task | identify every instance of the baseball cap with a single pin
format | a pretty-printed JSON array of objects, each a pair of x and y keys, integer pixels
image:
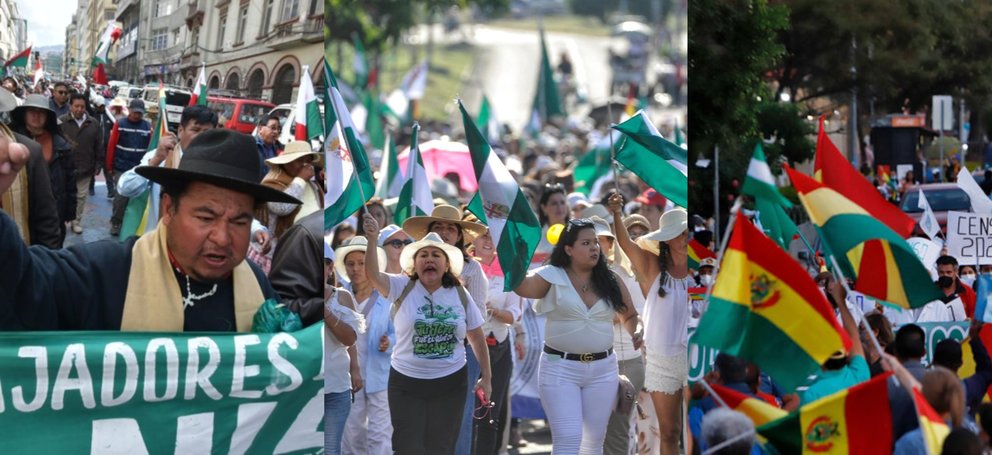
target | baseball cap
[
  {"x": 136, "y": 105},
  {"x": 651, "y": 197}
]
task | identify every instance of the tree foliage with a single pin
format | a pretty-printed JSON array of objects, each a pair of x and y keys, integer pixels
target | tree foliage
[{"x": 733, "y": 45}]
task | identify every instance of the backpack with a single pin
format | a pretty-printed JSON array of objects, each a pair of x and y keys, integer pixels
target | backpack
[{"x": 409, "y": 287}]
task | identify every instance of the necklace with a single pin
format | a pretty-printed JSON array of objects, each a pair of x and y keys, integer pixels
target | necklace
[
  {"x": 188, "y": 301},
  {"x": 584, "y": 287}
]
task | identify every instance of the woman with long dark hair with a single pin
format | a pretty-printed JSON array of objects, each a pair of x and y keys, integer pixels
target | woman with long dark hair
[
  {"x": 552, "y": 210},
  {"x": 661, "y": 257},
  {"x": 580, "y": 298}
]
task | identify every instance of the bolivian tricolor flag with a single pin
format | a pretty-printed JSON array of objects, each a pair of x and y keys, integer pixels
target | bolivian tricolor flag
[
  {"x": 833, "y": 170},
  {"x": 758, "y": 410},
  {"x": 933, "y": 427},
  {"x": 766, "y": 308},
  {"x": 135, "y": 220},
  {"x": 698, "y": 252},
  {"x": 854, "y": 420},
  {"x": 883, "y": 263}
]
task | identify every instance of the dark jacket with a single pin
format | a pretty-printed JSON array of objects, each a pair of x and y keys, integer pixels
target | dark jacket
[
  {"x": 61, "y": 172},
  {"x": 85, "y": 140},
  {"x": 43, "y": 214},
  {"x": 59, "y": 110},
  {"x": 297, "y": 272},
  {"x": 82, "y": 287},
  {"x": 128, "y": 144}
]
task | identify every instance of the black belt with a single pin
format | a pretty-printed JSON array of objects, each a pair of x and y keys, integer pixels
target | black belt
[{"x": 580, "y": 357}]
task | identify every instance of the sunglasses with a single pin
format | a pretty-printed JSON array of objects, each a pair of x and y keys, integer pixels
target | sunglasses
[
  {"x": 398, "y": 243},
  {"x": 578, "y": 223}
]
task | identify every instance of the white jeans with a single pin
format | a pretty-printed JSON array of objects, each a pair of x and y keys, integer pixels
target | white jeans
[
  {"x": 578, "y": 398},
  {"x": 369, "y": 429}
]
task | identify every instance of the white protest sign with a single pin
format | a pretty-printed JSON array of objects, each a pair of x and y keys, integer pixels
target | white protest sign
[
  {"x": 969, "y": 237},
  {"x": 928, "y": 251}
]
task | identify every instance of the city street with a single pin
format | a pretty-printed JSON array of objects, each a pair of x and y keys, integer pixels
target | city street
[{"x": 96, "y": 217}]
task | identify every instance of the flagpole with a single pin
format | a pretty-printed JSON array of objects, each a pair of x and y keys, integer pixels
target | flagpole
[
  {"x": 409, "y": 158},
  {"x": 843, "y": 281},
  {"x": 734, "y": 211},
  {"x": 713, "y": 393}
]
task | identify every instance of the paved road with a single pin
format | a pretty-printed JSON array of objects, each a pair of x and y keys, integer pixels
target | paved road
[{"x": 96, "y": 217}]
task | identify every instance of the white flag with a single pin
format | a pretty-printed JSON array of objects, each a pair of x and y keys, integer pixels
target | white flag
[
  {"x": 928, "y": 222},
  {"x": 980, "y": 203}
]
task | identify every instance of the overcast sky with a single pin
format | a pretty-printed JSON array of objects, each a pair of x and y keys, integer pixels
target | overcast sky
[{"x": 47, "y": 20}]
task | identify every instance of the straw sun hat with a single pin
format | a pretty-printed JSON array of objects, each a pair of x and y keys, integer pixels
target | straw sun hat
[
  {"x": 671, "y": 224},
  {"x": 455, "y": 258}
]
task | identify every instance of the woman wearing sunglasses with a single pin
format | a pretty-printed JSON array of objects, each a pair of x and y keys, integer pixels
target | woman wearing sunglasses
[
  {"x": 392, "y": 239},
  {"x": 577, "y": 377},
  {"x": 661, "y": 257}
]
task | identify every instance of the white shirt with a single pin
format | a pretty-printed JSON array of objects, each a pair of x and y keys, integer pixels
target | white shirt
[
  {"x": 337, "y": 362},
  {"x": 666, "y": 319},
  {"x": 622, "y": 343},
  {"x": 503, "y": 301},
  {"x": 430, "y": 329},
  {"x": 938, "y": 311},
  {"x": 571, "y": 326}
]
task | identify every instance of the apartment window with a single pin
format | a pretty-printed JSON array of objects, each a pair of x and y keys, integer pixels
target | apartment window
[
  {"x": 159, "y": 39},
  {"x": 242, "y": 22},
  {"x": 316, "y": 7},
  {"x": 108, "y": 15},
  {"x": 222, "y": 29},
  {"x": 267, "y": 17},
  {"x": 290, "y": 10},
  {"x": 162, "y": 8},
  {"x": 176, "y": 36}
]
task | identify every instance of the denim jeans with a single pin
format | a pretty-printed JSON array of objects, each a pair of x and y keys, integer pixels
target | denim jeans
[
  {"x": 336, "y": 409},
  {"x": 578, "y": 398}
]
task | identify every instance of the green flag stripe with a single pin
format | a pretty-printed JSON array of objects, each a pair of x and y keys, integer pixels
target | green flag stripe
[
  {"x": 736, "y": 330},
  {"x": 654, "y": 170}
]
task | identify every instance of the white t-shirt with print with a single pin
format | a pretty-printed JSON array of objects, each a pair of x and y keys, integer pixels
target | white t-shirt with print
[{"x": 430, "y": 329}]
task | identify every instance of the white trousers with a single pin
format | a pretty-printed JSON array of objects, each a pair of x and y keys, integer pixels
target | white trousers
[
  {"x": 578, "y": 398},
  {"x": 369, "y": 429}
]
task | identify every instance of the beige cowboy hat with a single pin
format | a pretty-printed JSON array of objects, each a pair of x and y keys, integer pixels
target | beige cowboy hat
[
  {"x": 602, "y": 227},
  {"x": 356, "y": 243},
  {"x": 455, "y": 259},
  {"x": 671, "y": 224},
  {"x": 293, "y": 151},
  {"x": 598, "y": 211},
  {"x": 636, "y": 219},
  {"x": 418, "y": 226}
]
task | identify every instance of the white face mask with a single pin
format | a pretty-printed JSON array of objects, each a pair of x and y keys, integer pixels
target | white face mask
[
  {"x": 968, "y": 279},
  {"x": 707, "y": 280}
]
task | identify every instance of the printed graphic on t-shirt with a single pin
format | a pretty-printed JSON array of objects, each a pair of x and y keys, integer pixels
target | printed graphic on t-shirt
[{"x": 434, "y": 334}]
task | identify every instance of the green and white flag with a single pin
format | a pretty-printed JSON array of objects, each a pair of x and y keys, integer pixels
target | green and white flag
[
  {"x": 595, "y": 167},
  {"x": 486, "y": 121},
  {"x": 415, "y": 197},
  {"x": 162, "y": 393},
  {"x": 770, "y": 203},
  {"x": 547, "y": 103},
  {"x": 307, "y": 113},
  {"x": 390, "y": 179},
  {"x": 656, "y": 160},
  {"x": 502, "y": 206},
  {"x": 349, "y": 177}
]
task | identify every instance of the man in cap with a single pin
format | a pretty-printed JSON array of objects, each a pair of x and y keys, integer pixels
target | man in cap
[
  {"x": 652, "y": 206},
  {"x": 59, "y": 102},
  {"x": 127, "y": 145},
  {"x": 189, "y": 274}
]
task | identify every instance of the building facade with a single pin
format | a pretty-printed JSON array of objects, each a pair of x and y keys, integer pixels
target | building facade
[{"x": 9, "y": 29}]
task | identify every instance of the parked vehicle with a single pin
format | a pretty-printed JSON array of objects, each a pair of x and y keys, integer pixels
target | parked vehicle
[
  {"x": 239, "y": 114},
  {"x": 942, "y": 197},
  {"x": 176, "y": 99}
]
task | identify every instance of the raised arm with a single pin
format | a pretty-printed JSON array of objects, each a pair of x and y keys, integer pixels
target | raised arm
[
  {"x": 640, "y": 260},
  {"x": 840, "y": 296},
  {"x": 533, "y": 287},
  {"x": 380, "y": 281}
]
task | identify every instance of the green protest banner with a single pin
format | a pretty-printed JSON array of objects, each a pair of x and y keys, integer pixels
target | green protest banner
[{"x": 162, "y": 393}]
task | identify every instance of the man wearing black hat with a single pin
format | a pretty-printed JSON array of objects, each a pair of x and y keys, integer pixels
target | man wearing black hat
[
  {"x": 189, "y": 274},
  {"x": 127, "y": 145}
]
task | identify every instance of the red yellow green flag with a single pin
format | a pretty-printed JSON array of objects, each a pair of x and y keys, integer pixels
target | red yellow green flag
[
  {"x": 884, "y": 265},
  {"x": 758, "y": 410},
  {"x": 698, "y": 252},
  {"x": 833, "y": 170},
  {"x": 766, "y": 308},
  {"x": 934, "y": 429},
  {"x": 854, "y": 420},
  {"x": 135, "y": 221}
]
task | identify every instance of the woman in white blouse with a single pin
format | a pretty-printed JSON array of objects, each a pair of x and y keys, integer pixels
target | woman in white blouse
[
  {"x": 342, "y": 376},
  {"x": 433, "y": 316},
  {"x": 581, "y": 298}
]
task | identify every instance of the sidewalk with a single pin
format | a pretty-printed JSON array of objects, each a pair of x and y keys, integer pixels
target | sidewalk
[{"x": 96, "y": 217}]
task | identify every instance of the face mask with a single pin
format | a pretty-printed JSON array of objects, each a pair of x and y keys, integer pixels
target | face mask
[
  {"x": 968, "y": 279},
  {"x": 945, "y": 282},
  {"x": 707, "y": 280}
]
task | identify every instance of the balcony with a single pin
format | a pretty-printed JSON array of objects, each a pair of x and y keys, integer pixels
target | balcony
[
  {"x": 293, "y": 33},
  {"x": 194, "y": 14}
]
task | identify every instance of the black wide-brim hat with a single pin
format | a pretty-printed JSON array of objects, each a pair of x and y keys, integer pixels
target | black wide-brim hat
[{"x": 219, "y": 157}]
